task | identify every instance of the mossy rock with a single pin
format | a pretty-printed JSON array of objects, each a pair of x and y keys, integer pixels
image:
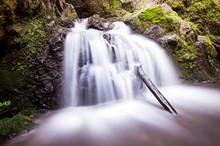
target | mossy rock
[
  {"x": 206, "y": 68},
  {"x": 23, "y": 37},
  {"x": 29, "y": 36},
  {"x": 162, "y": 15},
  {"x": 179, "y": 38},
  {"x": 12, "y": 126},
  {"x": 128, "y": 6},
  {"x": 172, "y": 24},
  {"x": 204, "y": 13},
  {"x": 210, "y": 50}
]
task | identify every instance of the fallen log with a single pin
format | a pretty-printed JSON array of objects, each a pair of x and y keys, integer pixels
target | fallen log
[{"x": 160, "y": 98}]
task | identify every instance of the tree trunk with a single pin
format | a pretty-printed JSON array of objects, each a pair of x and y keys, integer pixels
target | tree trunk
[{"x": 161, "y": 99}]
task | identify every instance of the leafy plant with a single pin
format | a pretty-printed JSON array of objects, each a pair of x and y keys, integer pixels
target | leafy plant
[{"x": 5, "y": 103}]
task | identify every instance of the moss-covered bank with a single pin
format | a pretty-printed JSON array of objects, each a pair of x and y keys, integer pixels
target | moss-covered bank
[
  {"x": 181, "y": 39},
  {"x": 24, "y": 29},
  {"x": 10, "y": 127},
  {"x": 204, "y": 13}
]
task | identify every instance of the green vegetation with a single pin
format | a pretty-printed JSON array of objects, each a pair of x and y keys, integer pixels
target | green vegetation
[
  {"x": 5, "y": 103},
  {"x": 204, "y": 13},
  {"x": 13, "y": 126},
  {"x": 186, "y": 53},
  {"x": 24, "y": 25},
  {"x": 168, "y": 20},
  {"x": 30, "y": 36},
  {"x": 128, "y": 6},
  {"x": 210, "y": 50},
  {"x": 182, "y": 46},
  {"x": 18, "y": 62}
]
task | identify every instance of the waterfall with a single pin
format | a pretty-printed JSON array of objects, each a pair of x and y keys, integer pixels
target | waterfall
[{"x": 99, "y": 66}]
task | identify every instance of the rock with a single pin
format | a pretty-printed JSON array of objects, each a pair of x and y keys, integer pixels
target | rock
[
  {"x": 205, "y": 14},
  {"x": 178, "y": 37},
  {"x": 128, "y": 6},
  {"x": 169, "y": 40},
  {"x": 139, "y": 4},
  {"x": 99, "y": 23},
  {"x": 188, "y": 31},
  {"x": 205, "y": 59},
  {"x": 154, "y": 32},
  {"x": 47, "y": 80},
  {"x": 51, "y": 23},
  {"x": 28, "y": 6},
  {"x": 166, "y": 8},
  {"x": 87, "y": 8}
]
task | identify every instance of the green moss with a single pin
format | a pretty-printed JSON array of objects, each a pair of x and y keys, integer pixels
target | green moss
[
  {"x": 214, "y": 38},
  {"x": 111, "y": 8},
  {"x": 115, "y": 3},
  {"x": 71, "y": 15},
  {"x": 217, "y": 3},
  {"x": 128, "y": 6},
  {"x": 182, "y": 47},
  {"x": 136, "y": 24},
  {"x": 154, "y": 14},
  {"x": 14, "y": 125},
  {"x": 168, "y": 20},
  {"x": 184, "y": 52},
  {"x": 206, "y": 14},
  {"x": 5, "y": 104},
  {"x": 177, "y": 6},
  {"x": 210, "y": 50},
  {"x": 30, "y": 36}
]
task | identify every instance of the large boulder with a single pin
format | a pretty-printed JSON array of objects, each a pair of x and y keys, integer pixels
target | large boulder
[{"x": 206, "y": 58}]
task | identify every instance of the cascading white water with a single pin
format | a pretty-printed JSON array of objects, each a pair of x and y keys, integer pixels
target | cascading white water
[{"x": 99, "y": 66}]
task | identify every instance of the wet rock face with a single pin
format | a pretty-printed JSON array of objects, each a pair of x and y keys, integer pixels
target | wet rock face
[
  {"x": 86, "y": 8},
  {"x": 205, "y": 58},
  {"x": 99, "y": 23},
  {"x": 24, "y": 28},
  {"x": 47, "y": 81},
  {"x": 154, "y": 32}
]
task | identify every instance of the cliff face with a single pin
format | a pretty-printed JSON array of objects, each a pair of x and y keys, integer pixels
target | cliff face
[
  {"x": 31, "y": 40},
  {"x": 30, "y": 59}
]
